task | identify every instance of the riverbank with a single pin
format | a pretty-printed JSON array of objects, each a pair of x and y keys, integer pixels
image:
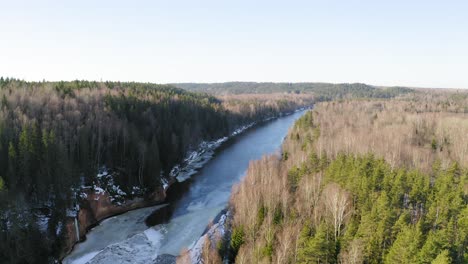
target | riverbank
[{"x": 176, "y": 183}]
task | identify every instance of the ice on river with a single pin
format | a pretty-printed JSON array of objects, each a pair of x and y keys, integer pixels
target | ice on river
[
  {"x": 208, "y": 194},
  {"x": 110, "y": 231},
  {"x": 86, "y": 258},
  {"x": 145, "y": 247}
]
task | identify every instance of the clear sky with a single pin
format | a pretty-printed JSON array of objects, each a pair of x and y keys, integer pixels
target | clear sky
[{"x": 411, "y": 42}]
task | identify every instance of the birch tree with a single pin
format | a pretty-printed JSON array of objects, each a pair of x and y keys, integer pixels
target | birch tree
[{"x": 338, "y": 206}]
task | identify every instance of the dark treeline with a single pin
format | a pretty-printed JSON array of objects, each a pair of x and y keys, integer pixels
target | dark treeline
[
  {"x": 56, "y": 136},
  {"x": 322, "y": 91}
]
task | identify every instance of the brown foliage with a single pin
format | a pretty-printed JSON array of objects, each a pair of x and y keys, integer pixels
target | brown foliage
[
  {"x": 399, "y": 131},
  {"x": 353, "y": 253},
  {"x": 184, "y": 257},
  {"x": 209, "y": 253},
  {"x": 409, "y": 132}
]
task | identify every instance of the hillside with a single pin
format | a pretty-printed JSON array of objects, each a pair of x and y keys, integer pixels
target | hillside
[
  {"x": 322, "y": 91},
  {"x": 85, "y": 149},
  {"x": 365, "y": 181}
]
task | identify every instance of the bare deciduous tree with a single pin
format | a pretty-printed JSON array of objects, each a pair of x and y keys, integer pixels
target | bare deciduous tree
[
  {"x": 353, "y": 253},
  {"x": 338, "y": 204}
]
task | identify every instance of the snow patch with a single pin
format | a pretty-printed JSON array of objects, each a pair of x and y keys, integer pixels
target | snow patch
[
  {"x": 137, "y": 190},
  {"x": 58, "y": 229},
  {"x": 43, "y": 222},
  {"x": 71, "y": 213},
  {"x": 85, "y": 258},
  {"x": 106, "y": 184},
  {"x": 242, "y": 129},
  {"x": 195, "y": 160},
  {"x": 216, "y": 232},
  {"x": 164, "y": 183},
  {"x": 98, "y": 190}
]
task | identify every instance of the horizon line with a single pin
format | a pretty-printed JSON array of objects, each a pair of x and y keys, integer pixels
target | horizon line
[{"x": 222, "y": 82}]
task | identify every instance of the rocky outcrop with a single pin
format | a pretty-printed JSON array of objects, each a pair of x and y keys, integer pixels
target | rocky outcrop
[{"x": 96, "y": 207}]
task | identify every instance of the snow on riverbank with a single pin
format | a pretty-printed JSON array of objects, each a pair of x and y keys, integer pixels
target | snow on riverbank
[
  {"x": 207, "y": 197},
  {"x": 243, "y": 128},
  {"x": 214, "y": 234},
  {"x": 196, "y": 159}
]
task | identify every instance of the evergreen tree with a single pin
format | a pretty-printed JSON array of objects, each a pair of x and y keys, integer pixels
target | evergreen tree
[
  {"x": 442, "y": 258},
  {"x": 406, "y": 246},
  {"x": 2, "y": 184},
  {"x": 318, "y": 247}
]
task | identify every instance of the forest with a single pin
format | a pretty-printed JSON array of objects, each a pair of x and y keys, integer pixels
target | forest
[
  {"x": 322, "y": 91},
  {"x": 370, "y": 175},
  {"x": 358, "y": 181},
  {"x": 57, "y": 138}
]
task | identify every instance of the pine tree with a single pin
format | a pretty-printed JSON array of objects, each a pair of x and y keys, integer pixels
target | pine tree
[
  {"x": 2, "y": 184},
  {"x": 318, "y": 248},
  {"x": 406, "y": 247},
  {"x": 12, "y": 159},
  {"x": 442, "y": 258}
]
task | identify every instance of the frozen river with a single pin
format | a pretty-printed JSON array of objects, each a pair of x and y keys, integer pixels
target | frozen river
[{"x": 127, "y": 239}]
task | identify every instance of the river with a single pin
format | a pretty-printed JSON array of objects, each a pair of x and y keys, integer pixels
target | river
[{"x": 127, "y": 239}]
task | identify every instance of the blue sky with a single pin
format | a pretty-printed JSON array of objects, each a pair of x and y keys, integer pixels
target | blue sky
[{"x": 412, "y": 43}]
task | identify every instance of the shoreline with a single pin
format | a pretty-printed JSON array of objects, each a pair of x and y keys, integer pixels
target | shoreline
[{"x": 175, "y": 183}]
